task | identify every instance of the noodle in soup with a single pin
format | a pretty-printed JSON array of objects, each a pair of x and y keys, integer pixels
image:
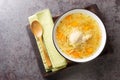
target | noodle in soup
[{"x": 78, "y": 35}]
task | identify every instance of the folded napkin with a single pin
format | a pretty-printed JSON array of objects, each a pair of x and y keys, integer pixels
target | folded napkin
[{"x": 45, "y": 19}]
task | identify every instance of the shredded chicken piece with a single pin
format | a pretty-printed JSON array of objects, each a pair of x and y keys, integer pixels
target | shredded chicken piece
[
  {"x": 86, "y": 37},
  {"x": 77, "y": 37}
]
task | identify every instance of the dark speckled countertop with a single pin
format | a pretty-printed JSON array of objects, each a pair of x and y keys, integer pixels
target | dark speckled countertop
[{"x": 17, "y": 58}]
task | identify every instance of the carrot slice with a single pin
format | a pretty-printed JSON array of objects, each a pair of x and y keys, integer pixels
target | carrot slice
[
  {"x": 74, "y": 24},
  {"x": 86, "y": 28},
  {"x": 89, "y": 50},
  {"x": 61, "y": 36},
  {"x": 69, "y": 17},
  {"x": 75, "y": 54}
]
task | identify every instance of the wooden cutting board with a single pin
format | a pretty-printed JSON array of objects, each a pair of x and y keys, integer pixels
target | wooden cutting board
[{"x": 93, "y": 8}]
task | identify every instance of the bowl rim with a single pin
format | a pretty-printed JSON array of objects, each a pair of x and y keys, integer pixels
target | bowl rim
[{"x": 95, "y": 54}]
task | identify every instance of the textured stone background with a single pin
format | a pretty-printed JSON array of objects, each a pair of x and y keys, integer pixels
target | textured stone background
[{"x": 17, "y": 58}]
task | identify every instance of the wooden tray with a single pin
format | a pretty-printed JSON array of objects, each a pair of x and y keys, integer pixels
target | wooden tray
[{"x": 48, "y": 75}]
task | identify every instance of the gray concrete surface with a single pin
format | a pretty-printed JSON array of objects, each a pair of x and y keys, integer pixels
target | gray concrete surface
[{"x": 17, "y": 58}]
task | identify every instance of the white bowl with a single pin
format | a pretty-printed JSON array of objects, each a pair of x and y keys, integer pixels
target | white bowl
[{"x": 103, "y": 31}]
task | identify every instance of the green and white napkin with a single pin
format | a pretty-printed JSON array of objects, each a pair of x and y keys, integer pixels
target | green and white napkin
[{"x": 45, "y": 19}]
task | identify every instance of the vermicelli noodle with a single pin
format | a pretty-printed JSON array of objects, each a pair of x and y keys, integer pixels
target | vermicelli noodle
[{"x": 84, "y": 24}]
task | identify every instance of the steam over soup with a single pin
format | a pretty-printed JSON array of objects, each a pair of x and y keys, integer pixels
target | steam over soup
[{"x": 78, "y": 35}]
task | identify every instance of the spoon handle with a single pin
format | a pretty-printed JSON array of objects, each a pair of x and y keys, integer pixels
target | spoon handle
[{"x": 45, "y": 52}]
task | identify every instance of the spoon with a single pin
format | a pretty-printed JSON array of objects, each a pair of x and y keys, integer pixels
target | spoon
[{"x": 36, "y": 29}]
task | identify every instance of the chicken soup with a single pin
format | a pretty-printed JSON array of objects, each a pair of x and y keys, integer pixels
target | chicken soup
[{"x": 78, "y": 35}]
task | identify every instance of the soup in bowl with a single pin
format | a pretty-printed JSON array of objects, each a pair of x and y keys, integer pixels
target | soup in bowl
[{"x": 79, "y": 35}]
